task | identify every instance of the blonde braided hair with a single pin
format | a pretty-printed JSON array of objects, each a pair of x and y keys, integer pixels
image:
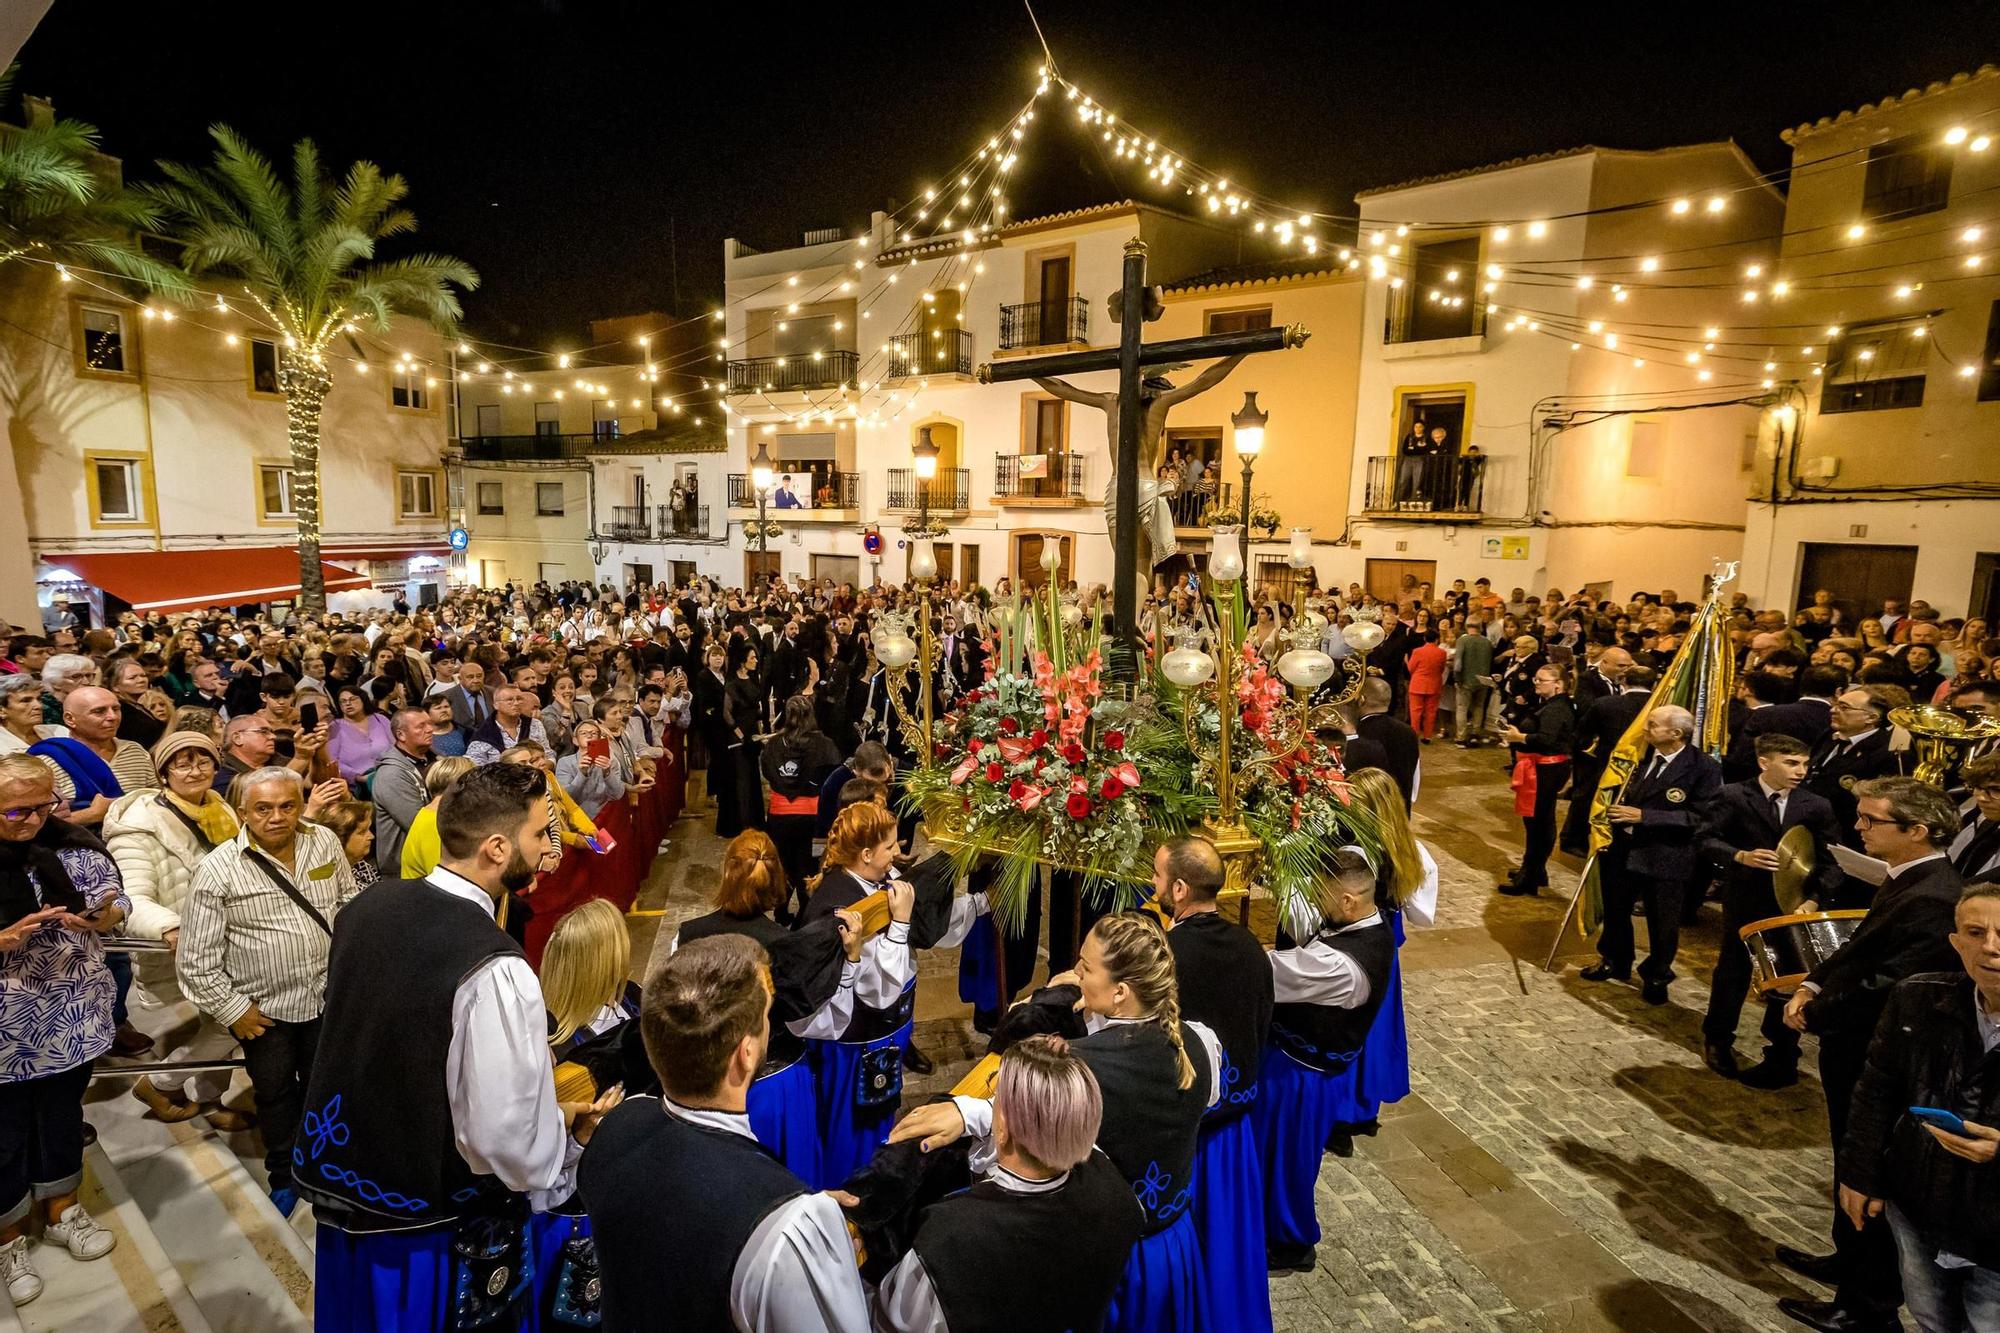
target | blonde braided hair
[{"x": 1135, "y": 952}]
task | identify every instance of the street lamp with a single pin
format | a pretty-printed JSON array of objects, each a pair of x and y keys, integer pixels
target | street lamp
[
  {"x": 1249, "y": 424},
  {"x": 762, "y": 475},
  {"x": 926, "y": 452}
]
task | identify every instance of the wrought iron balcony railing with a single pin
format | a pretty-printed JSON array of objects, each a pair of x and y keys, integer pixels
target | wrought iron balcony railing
[
  {"x": 1434, "y": 316},
  {"x": 951, "y": 490},
  {"x": 1045, "y": 323},
  {"x": 781, "y": 374},
  {"x": 830, "y": 490},
  {"x": 1421, "y": 484},
  {"x": 939, "y": 352},
  {"x": 1038, "y": 477}
]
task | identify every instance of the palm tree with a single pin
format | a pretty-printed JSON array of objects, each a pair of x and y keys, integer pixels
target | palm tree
[
  {"x": 305, "y": 253},
  {"x": 61, "y": 203}
]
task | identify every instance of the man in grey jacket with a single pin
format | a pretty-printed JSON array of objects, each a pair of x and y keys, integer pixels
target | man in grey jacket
[{"x": 397, "y": 787}]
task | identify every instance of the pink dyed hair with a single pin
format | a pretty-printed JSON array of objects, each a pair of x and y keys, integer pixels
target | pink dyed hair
[{"x": 1050, "y": 1102}]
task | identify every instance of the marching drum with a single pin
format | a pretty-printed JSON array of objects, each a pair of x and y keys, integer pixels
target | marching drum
[{"x": 1783, "y": 949}]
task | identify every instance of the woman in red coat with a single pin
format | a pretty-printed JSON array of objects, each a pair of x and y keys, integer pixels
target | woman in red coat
[{"x": 1426, "y": 663}]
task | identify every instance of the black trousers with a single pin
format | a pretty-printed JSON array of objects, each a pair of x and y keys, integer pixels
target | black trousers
[
  {"x": 1539, "y": 829},
  {"x": 41, "y": 1139},
  {"x": 1071, "y": 915},
  {"x": 793, "y": 837},
  {"x": 1576, "y": 820},
  {"x": 1871, "y": 1276},
  {"x": 1730, "y": 985},
  {"x": 1662, "y": 898},
  {"x": 722, "y": 789},
  {"x": 280, "y": 1064}
]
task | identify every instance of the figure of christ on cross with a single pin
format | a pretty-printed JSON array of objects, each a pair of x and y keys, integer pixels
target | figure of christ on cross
[{"x": 1137, "y": 417}]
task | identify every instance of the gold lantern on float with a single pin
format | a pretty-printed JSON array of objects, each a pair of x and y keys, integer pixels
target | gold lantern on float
[{"x": 1942, "y": 739}]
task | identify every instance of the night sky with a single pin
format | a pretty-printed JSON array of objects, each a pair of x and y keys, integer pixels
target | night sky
[{"x": 588, "y": 159}]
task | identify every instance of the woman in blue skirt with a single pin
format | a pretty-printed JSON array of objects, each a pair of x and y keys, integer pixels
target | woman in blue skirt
[
  {"x": 1156, "y": 1074},
  {"x": 1328, "y": 990},
  {"x": 806, "y": 979},
  {"x": 1406, "y": 881}
]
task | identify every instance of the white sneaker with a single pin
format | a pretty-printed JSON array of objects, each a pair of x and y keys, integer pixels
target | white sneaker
[
  {"x": 18, "y": 1271},
  {"x": 77, "y": 1231}
]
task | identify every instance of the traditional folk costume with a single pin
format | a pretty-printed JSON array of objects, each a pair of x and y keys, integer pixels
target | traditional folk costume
[
  {"x": 701, "y": 1229},
  {"x": 855, "y": 1040},
  {"x": 1225, "y": 984},
  {"x": 1329, "y": 991},
  {"x": 432, "y": 1128},
  {"x": 1149, "y": 1131},
  {"x": 808, "y": 970}
]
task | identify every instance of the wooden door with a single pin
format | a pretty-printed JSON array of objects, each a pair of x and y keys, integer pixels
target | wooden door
[
  {"x": 1028, "y": 548},
  {"x": 1985, "y": 599},
  {"x": 1384, "y": 578},
  {"x": 1054, "y": 296},
  {"x": 1859, "y": 574},
  {"x": 757, "y": 565},
  {"x": 968, "y": 565}
]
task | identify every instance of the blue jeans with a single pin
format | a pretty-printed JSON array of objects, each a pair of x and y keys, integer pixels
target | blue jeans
[
  {"x": 1943, "y": 1300},
  {"x": 119, "y": 964}
]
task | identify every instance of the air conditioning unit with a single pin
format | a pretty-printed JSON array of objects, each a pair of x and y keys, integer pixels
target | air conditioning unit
[{"x": 1820, "y": 467}]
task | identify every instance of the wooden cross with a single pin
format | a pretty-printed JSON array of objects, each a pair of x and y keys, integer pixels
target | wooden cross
[{"x": 1141, "y": 412}]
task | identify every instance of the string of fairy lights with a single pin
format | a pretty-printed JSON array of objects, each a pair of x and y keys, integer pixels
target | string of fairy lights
[{"x": 950, "y": 220}]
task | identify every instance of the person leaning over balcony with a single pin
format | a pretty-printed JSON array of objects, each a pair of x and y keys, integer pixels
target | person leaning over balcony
[
  {"x": 158, "y": 838},
  {"x": 59, "y": 892}
]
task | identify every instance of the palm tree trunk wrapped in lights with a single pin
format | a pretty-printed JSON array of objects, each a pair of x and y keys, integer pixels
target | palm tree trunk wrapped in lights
[{"x": 304, "y": 253}]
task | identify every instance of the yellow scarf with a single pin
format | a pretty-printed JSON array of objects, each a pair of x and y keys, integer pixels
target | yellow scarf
[{"x": 211, "y": 814}]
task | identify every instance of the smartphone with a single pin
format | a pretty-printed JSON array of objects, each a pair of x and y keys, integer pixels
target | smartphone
[
  {"x": 1944, "y": 1120},
  {"x": 308, "y": 717},
  {"x": 599, "y": 748}
]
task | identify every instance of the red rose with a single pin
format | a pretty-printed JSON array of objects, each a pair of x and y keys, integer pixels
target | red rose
[
  {"x": 1016, "y": 789},
  {"x": 1114, "y": 741},
  {"x": 1112, "y": 789},
  {"x": 1078, "y": 806},
  {"x": 1072, "y": 753},
  {"x": 995, "y": 772},
  {"x": 1039, "y": 761},
  {"x": 1009, "y": 727},
  {"x": 1040, "y": 737}
]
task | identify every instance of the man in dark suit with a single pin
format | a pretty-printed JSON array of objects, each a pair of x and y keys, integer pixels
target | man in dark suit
[
  {"x": 1855, "y": 751},
  {"x": 1975, "y": 852},
  {"x": 1908, "y": 824},
  {"x": 1739, "y": 833},
  {"x": 471, "y": 701},
  {"x": 1652, "y": 856},
  {"x": 1391, "y": 742},
  {"x": 1604, "y": 679},
  {"x": 1810, "y": 716},
  {"x": 1763, "y": 694},
  {"x": 1599, "y": 727}
]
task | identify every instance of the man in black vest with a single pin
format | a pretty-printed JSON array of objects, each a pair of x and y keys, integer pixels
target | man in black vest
[
  {"x": 1739, "y": 834},
  {"x": 1652, "y": 854},
  {"x": 1907, "y": 931},
  {"x": 697, "y": 1225},
  {"x": 1225, "y": 982},
  {"x": 431, "y": 1125}
]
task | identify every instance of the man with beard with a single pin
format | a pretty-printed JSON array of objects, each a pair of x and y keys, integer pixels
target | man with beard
[{"x": 432, "y": 1127}]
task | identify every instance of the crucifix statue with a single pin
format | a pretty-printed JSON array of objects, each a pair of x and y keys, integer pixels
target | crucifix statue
[
  {"x": 1157, "y": 394},
  {"x": 1136, "y": 416}
]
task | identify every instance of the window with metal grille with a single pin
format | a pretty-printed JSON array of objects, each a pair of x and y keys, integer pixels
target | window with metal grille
[{"x": 1875, "y": 367}]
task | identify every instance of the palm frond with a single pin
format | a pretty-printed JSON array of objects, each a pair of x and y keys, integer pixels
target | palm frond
[{"x": 265, "y": 201}]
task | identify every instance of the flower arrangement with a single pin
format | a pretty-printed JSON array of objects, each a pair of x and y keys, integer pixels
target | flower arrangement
[{"x": 1264, "y": 516}]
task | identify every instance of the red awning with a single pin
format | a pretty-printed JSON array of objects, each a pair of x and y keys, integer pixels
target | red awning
[
  {"x": 353, "y": 552},
  {"x": 187, "y": 580}
]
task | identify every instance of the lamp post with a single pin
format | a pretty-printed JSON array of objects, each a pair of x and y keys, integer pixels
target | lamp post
[
  {"x": 1249, "y": 424},
  {"x": 926, "y": 452},
  {"x": 923, "y": 569},
  {"x": 1234, "y": 842}
]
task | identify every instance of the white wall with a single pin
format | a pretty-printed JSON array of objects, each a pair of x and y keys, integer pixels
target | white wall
[{"x": 1948, "y": 535}]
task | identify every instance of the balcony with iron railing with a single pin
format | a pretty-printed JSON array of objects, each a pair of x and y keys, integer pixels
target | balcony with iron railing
[
  {"x": 537, "y": 448},
  {"x": 826, "y": 497},
  {"x": 686, "y": 523},
  {"x": 950, "y": 490},
  {"x": 1030, "y": 479},
  {"x": 1433, "y": 316},
  {"x": 797, "y": 373},
  {"x": 629, "y": 523},
  {"x": 1044, "y": 323},
  {"x": 1425, "y": 488},
  {"x": 1192, "y": 506},
  {"x": 938, "y": 352}
]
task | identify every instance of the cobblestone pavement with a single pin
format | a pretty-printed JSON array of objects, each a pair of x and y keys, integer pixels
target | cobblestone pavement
[{"x": 1565, "y": 1161}]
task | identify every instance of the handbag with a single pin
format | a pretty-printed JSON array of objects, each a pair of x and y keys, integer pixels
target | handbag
[{"x": 492, "y": 1270}]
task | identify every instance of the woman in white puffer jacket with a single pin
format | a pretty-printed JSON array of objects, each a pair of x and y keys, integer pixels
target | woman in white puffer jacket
[{"x": 157, "y": 837}]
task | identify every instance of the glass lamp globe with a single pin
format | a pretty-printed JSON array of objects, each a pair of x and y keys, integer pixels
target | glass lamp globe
[
  {"x": 1187, "y": 666},
  {"x": 923, "y": 559},
  {"x": 1300, "y": 557},
  {"x": 1225, "y": 556},
  {"x": 1363, "y": 635},
  {"x": 895, "y": 651},
  {"x": 1051, "y": 556},
  {"x": 1305, "y": 668}
]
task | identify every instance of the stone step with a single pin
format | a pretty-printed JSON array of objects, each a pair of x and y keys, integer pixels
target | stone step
[{"x": 241, "y": 1264}]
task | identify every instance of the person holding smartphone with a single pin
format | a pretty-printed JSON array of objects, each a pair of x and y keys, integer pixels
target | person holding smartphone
[
  {"x": 590, "y": 773},
  {"x": 1923, "y": 1130}
]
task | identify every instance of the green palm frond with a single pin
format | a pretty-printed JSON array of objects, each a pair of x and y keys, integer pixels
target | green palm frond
[
  {"x": 307, "y": 248},
  {"x": 59, "y": 203}
]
